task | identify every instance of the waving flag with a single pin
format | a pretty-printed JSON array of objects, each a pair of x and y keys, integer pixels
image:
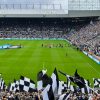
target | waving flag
[
  {"x": 14, "y": 86},
  {"x": 47, "y": 93},
  {"x": 26, "y": 84},
  {"x": 62, "y": 87},
  {"x": 43, "y": 79},
  {"x": 55, "y": 81},
  {"x": 2, "y": 84},
  {"x": 76, "y": 79},
  {"x": 96, "y": 83}
]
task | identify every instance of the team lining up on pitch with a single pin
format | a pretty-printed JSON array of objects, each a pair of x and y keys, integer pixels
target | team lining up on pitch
[{"x": 52, "y": 45}]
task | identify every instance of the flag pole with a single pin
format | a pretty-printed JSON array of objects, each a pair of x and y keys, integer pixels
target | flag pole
[
  {"x": 62, "y": 73},
  {"x": 44, "y": 69},
  {"x": 0, "y": 76},
  {"x": 43, "y": 66},
  {"x": 92, "y": 90}
]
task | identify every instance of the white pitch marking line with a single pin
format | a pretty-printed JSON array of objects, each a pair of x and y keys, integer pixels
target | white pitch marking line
[{"x": 93, "y": 68}]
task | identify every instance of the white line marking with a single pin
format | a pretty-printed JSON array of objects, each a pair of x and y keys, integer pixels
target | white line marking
[{"x": 93, "y": 68}]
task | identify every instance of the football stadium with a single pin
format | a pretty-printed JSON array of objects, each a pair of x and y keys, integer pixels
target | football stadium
[{"x": 50, "y": 50}]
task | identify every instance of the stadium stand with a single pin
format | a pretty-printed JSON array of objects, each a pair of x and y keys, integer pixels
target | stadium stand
[
  {"x": 85, "y": 36},
  {"x": 76, "y": 21},
  {"x": 88, "y": 38}
]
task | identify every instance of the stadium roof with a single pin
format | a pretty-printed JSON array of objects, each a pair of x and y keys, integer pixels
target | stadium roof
[
  {"x": 58, "y": 4},
  {"x": 49, "y": 8},
  {"x": 27, "y": 1}
]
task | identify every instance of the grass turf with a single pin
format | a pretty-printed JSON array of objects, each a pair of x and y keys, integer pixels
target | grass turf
[{"x": 30, "y": 59}]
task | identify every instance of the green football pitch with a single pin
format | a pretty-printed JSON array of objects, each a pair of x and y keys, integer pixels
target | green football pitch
[{"x": 32, "y": 58}]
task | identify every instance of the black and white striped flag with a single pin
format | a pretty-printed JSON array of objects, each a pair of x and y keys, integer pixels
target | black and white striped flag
[
  {"x": 47, "y": 93},
  {"x": 68, "y": 82},
  {"x": 43, "y": 80},
  {"x": 78, "y": 80},
  {"x": 55, "y": 81},
  {"x": 86, "y": 89},
  {"x": 2, "y": 84},
  {"x": 62, "y": 87},
  {"x": 64, "y": 96},
  {"x": 96, "y": 83},
  {"x": 73, "y": 88}
]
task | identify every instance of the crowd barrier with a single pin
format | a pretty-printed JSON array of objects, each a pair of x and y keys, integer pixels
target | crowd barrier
[
  {"x": 93, "y": 58},
  {"x": 31, "y": 39}
]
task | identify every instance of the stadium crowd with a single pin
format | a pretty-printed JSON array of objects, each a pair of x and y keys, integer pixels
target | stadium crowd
[
  {"x": 87, "y": 38},
  {"x": 37, "y": 96},
  {"x": 32, "y": 30}
]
